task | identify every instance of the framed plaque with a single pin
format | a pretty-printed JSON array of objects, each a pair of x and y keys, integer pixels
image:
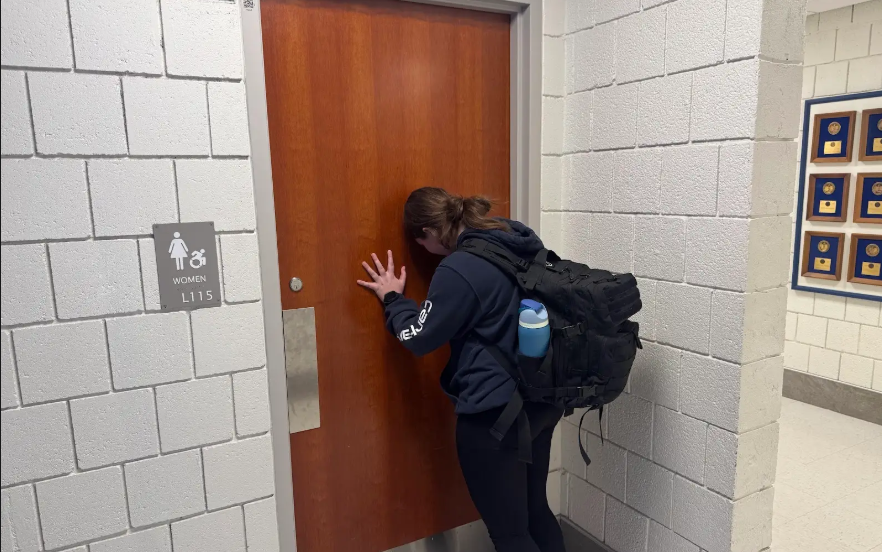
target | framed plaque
[
  {"x": 871, "y": 135},
  {"x": 865, "y": 259},
  {"x": 822, "y": 255},
  {"x": 832, "y": 137},
  {"x": 828, "y": 197},
  {"x": 868, "y": 198}
]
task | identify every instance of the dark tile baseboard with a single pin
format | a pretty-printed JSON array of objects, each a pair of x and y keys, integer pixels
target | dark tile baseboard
[
  {"x": 577, "y": 540},
  {"x": 856, "y": 402}
]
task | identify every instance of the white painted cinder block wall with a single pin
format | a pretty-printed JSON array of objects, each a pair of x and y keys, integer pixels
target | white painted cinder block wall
[
  {"x": 828, "y": 336},
  {"x": 122, "y": 428},
  {"x": 670, "y": 155}
]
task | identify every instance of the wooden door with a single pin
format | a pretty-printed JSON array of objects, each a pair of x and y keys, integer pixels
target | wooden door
[{"x": 367, "y": 101}]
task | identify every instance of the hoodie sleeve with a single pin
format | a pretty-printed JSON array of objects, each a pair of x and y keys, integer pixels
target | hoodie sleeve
[{"x": 448, "y": 309}]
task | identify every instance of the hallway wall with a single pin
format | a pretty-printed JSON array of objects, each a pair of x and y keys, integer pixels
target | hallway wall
[
  {"x": 124, "y": 428},
  {"x": 828, "y": 336},
  {"x": 674, "y": 162}
]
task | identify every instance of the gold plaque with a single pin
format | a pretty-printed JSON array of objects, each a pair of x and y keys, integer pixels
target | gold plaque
[
  {"x": 834, "y": 128},
  {"x": 877, "y": 188},
  {"x": 870, "y": 269},
  {"x": 829, "y": 188},
  {"x": 823, "y": 246},
  {"x": 872, "y": 250},
  {"x": 827, "y": 207},
  {"x": 877, "y": 144},
  {"x": 874, "y": 208},
  {"x": 832, "y": 147},
  {"x": 823, "y": 264}
]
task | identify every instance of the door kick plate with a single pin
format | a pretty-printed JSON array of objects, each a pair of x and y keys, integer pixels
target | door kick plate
[{"x": 301, "y": 369}]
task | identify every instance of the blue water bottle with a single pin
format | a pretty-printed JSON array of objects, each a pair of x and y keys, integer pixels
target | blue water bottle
[{"x": 534, "y": 333}]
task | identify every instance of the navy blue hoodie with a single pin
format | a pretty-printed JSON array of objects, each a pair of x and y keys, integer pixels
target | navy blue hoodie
[{"x": 469, "y": 300}]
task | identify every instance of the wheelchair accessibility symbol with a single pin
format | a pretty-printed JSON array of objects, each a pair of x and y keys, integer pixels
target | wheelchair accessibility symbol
[{"x": 197, "y": 259}]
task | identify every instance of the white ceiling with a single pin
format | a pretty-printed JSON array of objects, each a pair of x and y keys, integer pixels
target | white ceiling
[{"x": 814, "y": 6}]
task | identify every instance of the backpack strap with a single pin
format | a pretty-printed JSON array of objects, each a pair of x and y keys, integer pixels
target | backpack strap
[
  {"x": 514, "y": 410},
  {"x": 499, "y": 256}
]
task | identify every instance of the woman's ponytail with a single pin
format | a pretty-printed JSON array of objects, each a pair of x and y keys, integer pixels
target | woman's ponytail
[{"x": 447, "y": 214}]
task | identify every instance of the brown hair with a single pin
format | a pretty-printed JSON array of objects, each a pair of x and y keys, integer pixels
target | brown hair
[{"x": 445, "y": 213}]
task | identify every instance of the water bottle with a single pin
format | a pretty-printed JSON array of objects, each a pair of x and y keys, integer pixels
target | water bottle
[{"x": 534, "y": 332}]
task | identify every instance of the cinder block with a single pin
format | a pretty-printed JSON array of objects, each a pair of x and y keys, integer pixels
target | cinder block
[
  {"x": 867, "y": 11},
  {"x": 756, "y": 179},
  {"x": 552, "y": 125},
  {"x": 853, "y": 41},
  {"x": 679, "y": 443},
  {"x": 842, "y": 336},
  {"x": 646, "y": 317},
  {"x": 614, "y": 9},
  {"x": 764, "y": 323},
  {"x": 650, "y": 489},
  {"x": 195, "y": 413},
  {"x": 577, "y": 122},
  {"x": 82, "y": 507},
  {"x": 630, "y": 424},
  {"x": 736, "y": 179},
  {"x": 696, "y": 30},
  {"x": 165, "y": 488},
  {"x": 801, "y": 302},
  {"x": 865, "y": 73},
  {"x": 608, "y": 469},
  {"x": 876, "y": 40},
  {"x": 587, "y": 506},
  {"x": 637, "y": 180},
  {"x": 594, "y": 61},
  {"x": 148, "y": 350},
  {"x": 575, "y": 236},
  {"x": 552, "y": 182},
  {"x": 30, "y": 204},
  {"x": 664, "y": 108},
  {"x": 96, "y": 278},
  {"x": 796, "y": 356},
  {"x": 17, "y": 137},
  {"x": 728, "y": 325},
  {"x": 553, "y": 67},
  {"x": 625, "y": 530},
  {"x": 717, "y": 249},
  {"x": 551, "y": 230},
  {"x": 610, "y": 239},
  {"x": 228, "y": 339},
  {"x": 877, "y": 376},
  {"x": 773, "y": 30},
  {"x": 640, "y": 45},
  {"x": 166, "y": 117},
  {"x": 780, "y": 90},
  {"x": 768, "y": 259},
  {"x": 217, "y": 190},
  {"x": 831, "y": 78},
  {"x": 702, "y": 516},
  {"x": 554, "y": 17},
  {"x": 835, "y": 19},
  {"x": 740, "y": 465},
  {"x": 238, "y": 472},
  {"x": 7, "y": 369},
  {"x": 77, "y": 113},
  {"x": 587, "y": 189},
  {"x": 19, "y": 527},
  {"x": 222, "y": 531},
  {"x": 820, "y": 47},
  {"x": 614, "y": 117},
  {"x": 790, "y": 328},
  {"x": 811, "y": 330},
  {"x": 688, "y": 332},
  {"x": 261, "y": 527},
  {"x": 710, "y": 390},
  {"x": 62, "y": 361},
  {"x": 760, "y": 401},
  {"x": 241, "y": 267},
  {"x": 870, "y": 342},
  {"x": 149, "y": 278},
  {"x": 153, "y": 540},
  {"x": 129, "y": 195},
  {"x": 689, "y": 179},
  {"x": 752, "y": 522},
  {"x": 579, "y": 15},
  {"x": 811, "y": 23},
  {"x": 229, "y": 116},
  {"x": 202, "y": 39},
  {"x": 36, "y": 443},
  {"x": 251, "y": 397},
  {"x": 808, "y": 82},
  {"x": 26, "y": 296},
  {"x": 856, "y": 370},
  {"x": 35, "y": 35},
  {"x": 862, "y": 311},
  {"x": 656, "y": 375},
  {"x": 111, "y": 35},
  {"x": 663, "y": 539},
  {"x": 724, "y": 101},
  {"x": 114, "y": 428}
]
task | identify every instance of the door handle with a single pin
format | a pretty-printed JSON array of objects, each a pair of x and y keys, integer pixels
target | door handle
[{"x": 301, "y": 369}]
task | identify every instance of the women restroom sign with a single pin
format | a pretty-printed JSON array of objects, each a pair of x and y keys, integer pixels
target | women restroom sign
[{"x": 186, "y": 265}]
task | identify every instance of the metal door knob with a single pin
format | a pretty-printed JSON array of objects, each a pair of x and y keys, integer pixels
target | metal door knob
[{"x": 295, "y": 284}]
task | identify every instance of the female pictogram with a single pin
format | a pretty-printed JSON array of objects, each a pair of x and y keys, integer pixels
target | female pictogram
[{"x": 178, "y": 250}]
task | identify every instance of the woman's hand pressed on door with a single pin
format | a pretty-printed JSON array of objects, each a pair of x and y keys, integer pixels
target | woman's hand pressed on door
[{"x": 384, "y": 279}]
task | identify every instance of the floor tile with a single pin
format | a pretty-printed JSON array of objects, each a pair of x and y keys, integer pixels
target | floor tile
[
  {"x": 790, "y": 538},
  {"x": 866, "y": 503},
  {"x": 791, "y": 503},
  {"x": 840, "y": 526}
]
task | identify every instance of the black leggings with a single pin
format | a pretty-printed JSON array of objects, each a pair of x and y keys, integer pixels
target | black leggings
[{"x": 509, "y": 494}]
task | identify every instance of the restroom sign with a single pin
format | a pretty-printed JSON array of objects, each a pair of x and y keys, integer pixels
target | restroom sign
[{"x": 186, "y": 265}]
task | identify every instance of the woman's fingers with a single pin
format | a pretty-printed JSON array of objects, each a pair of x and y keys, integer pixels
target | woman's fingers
[
  {"x": 370, "y": 285},
  {"x": 370, "y": 271},
  {"x": 380, "y": 268},
  {"x": 390, "y": 268},
  {"x": 403, "y": 277}
]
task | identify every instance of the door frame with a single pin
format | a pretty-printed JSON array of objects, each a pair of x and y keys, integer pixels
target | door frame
[{"x": 526, "y": 157}]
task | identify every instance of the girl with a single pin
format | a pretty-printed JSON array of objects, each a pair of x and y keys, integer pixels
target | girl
[{"x": 471, "y": 302}]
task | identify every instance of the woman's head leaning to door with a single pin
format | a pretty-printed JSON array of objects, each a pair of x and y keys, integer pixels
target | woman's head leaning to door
[{"x": 436, "y": 218}]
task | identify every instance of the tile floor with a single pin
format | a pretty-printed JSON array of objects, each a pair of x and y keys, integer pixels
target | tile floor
[{"x": 828, "y": 493}]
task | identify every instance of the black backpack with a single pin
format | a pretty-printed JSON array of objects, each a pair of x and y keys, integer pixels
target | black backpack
[{"x": 593, "y": 344}]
